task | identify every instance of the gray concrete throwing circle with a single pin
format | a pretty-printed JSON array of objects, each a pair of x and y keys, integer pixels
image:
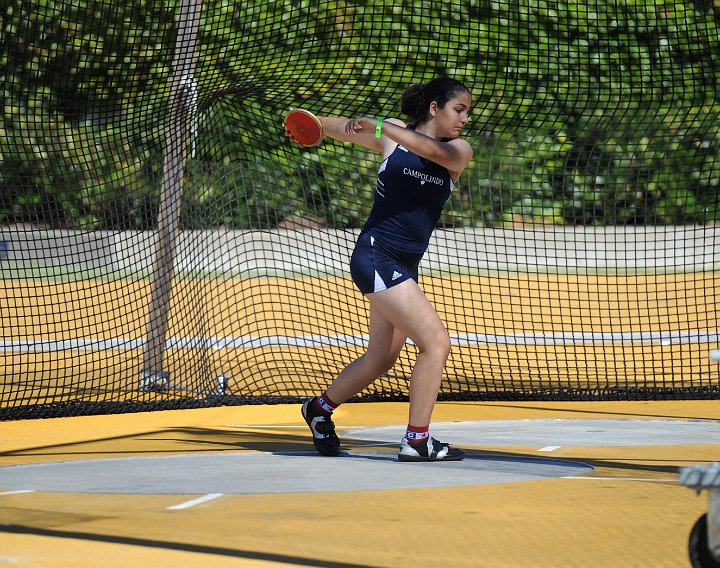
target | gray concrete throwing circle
[
  {"x": 559, "y": 432},
  {"x": 282, "y": 472},
  {"x": 361, "y": 469}
]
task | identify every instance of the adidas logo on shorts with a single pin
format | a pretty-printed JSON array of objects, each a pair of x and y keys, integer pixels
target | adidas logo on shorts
[{"x": 396, "y": 275}]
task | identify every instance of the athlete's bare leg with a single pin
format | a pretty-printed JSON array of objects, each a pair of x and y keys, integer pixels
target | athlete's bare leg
[
  {"x": 384, "y": 347},
  {"x": 406, "y": 308}
]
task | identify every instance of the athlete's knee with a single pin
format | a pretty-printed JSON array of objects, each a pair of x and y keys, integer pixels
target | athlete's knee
[
  {"x": 437, "y": 345},
  {"x": 444, "y": 345},
  {"x": 381, "y": 363}
]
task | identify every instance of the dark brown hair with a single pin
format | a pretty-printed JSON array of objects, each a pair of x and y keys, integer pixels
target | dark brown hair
[{"x": 416, "y": 99}]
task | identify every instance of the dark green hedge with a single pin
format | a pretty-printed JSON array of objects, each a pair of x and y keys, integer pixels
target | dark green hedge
[{"x": 586, "y": 113}]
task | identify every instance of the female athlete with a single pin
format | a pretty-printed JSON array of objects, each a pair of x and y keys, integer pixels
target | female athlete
[{"x": 420, "y": 163}]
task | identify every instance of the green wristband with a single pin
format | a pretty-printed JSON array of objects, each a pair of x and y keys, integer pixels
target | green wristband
[{"x": 378, "y": 128}]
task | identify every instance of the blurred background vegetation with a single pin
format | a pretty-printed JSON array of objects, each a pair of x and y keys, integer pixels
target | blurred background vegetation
[{"x": 593, "y": 113}]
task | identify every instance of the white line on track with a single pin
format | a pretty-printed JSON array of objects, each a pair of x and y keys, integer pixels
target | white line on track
[
  {"x": 194, "y": 502},
  {"x": 18, "y": 492},
  {"x": 309, "y": 341},
  {"x": 549, "y": 448}
]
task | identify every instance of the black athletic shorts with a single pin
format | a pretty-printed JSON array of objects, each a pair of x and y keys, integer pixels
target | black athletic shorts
[{"x": 375, "y": 267}]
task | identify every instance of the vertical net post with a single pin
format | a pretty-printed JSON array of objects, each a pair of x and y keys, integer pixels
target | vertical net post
[{"x": 183, "y": 99}]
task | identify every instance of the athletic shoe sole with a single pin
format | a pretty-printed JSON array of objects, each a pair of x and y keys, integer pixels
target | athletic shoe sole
[{"x": 406, "y": 458}]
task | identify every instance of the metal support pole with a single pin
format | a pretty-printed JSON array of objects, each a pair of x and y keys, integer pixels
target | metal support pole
[{"x": 183, "y": 103}]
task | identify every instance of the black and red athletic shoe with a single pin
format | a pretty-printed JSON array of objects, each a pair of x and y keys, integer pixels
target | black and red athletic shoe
[{"x": 323, "y": 430}]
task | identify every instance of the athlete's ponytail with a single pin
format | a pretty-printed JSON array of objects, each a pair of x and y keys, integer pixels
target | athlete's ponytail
[
  {"x": 412, "y": 103},
  {"x": 416, "y": 99}
]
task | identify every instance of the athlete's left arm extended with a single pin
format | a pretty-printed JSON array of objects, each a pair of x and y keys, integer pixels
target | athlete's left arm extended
[
  {"x": 454, "y": 154},
  {"x": 335, "y": 127}
]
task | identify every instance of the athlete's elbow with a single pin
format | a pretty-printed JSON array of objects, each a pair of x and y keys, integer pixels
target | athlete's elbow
[{"x": 457, "y": 163}]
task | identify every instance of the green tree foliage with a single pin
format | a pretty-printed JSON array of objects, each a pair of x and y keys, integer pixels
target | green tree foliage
[
  {"x": 585, "y": 113},
  {"x": 84, "y": 87}
]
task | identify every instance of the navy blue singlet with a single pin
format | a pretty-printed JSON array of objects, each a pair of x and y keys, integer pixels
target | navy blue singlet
[{"x": 409, "y": 199}]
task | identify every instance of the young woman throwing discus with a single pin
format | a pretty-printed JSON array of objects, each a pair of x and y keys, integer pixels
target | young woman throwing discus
[{"x": 421, "y": 161}]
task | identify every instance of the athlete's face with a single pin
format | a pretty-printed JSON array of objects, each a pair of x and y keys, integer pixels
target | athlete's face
[{"x": 453, "y": 117}]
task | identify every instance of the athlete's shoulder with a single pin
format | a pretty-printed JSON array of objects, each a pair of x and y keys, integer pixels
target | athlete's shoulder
[{"x": 388, "y": 145}]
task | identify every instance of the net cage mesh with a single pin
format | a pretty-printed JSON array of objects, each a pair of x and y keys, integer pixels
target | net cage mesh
[{"x": 164, "y": 245}]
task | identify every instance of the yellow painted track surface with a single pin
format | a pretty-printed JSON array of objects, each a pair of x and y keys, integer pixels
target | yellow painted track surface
[
  {"x": 630, "y": 511},
  {"x": 523, "y": 303}
]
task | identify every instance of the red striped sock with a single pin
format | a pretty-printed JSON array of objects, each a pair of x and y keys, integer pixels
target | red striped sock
[
  {"x": 324, "y": 405},
  {"x": 417, "y": 434}
]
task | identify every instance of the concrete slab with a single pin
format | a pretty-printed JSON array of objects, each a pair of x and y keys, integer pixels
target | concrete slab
[
  {"x": 282, "y": 472},
  {"x": 560, "y": 432},
  {"x": 366, "y": 466}
]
